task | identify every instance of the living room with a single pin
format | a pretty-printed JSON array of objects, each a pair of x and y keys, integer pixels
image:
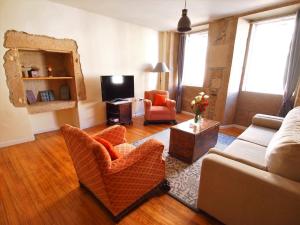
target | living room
[{"x": 211, "y": 90}]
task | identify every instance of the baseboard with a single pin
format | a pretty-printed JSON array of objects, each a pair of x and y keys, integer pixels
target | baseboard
[
  {"x": 187, "y": 113},
  {"x": 86, "y": 125},
  {"x": 138, "y": 114},
  {"x": 16, "y": 141},
  {"x": 89, "y": 125},
  {"x": 45, "y": 130},
  {"x": 222, "y": 126},
  {"x": 234, "y": 125},
  {"x": 240, "y": 126}
]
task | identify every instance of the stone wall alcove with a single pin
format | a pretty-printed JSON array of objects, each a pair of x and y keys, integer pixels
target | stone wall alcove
[{"x": 58, "y": 64}]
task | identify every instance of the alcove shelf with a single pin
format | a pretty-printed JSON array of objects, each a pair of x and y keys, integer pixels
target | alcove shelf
[
  {"x": 50, "y": 106},
  {"x": 47, "y": 78},
  {"x": 62, "y": 74},
  {"x": 56, "y": 65}
]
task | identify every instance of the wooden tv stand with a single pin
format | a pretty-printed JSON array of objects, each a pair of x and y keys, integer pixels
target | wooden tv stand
[{"x": 118, "y": 112}]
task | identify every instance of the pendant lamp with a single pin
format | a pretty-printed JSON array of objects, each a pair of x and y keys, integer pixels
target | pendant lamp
[{"x": 184, "y": 24}]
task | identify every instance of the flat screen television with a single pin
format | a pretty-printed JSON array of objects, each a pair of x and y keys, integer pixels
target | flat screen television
[{"x": 117, "y": 88}]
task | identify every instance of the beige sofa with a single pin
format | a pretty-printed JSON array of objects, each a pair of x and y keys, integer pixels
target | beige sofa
[{"x": 256, "y": 179}]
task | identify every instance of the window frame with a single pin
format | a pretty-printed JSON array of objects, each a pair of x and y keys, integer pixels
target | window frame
[
  {"x": 206, "y": 30},
  {"x": 248, "y": 45}
]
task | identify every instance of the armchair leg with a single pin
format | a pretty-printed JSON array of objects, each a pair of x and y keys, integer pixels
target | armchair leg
[
  {"x": 117, "y": 218},
  {"x": 174, "y": 122},
  {"x": 165, "y": 186},
  {"x": 146, "y": 123}
]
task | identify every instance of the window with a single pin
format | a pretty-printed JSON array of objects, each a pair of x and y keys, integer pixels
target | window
[
  {"x": 195, "y": 59},
  {"x": 268, "y": 51}
]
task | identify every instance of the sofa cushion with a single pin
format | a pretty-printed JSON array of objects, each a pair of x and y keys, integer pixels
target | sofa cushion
[
  {"x": 109, "y": 147},
  {"x": 258, "y": 135},
  {"x": 160, "y": 113},
  {"x": 247, "y": 151},
  {"x": 283, "y": 152},
  {"x": 159, "y": 100}
]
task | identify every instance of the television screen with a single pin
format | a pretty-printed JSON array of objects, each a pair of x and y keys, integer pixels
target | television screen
[{"x": 117, "y": 87}]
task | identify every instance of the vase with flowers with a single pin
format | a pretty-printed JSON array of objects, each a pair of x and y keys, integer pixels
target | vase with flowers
[{"x": 199, "y": 105}]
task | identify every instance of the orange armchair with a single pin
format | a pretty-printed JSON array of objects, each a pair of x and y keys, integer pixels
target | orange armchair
[
  {"x": 119, "y": 183},
  {"x": 165, "y": 113}
]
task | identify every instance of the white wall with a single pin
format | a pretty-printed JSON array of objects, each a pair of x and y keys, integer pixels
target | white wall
[{"x": 106, "y": 46}]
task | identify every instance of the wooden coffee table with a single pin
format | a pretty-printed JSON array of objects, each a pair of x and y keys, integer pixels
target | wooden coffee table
[{"x": 189, "y": 144}]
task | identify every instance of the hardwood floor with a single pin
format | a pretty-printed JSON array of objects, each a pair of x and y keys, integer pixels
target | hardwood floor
[{"x": 38, "y": 185}]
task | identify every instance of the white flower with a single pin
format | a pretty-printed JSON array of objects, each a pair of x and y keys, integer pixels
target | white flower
[
  {"x": 202, "y": 93},
  {"x": 206, "y": 96},
  {"x": 198, "y": 98},
  {"x": 193, "y": 102}
]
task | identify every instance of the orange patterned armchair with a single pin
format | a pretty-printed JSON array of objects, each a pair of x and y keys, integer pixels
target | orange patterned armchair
[
  {"x": 165, "y": 113},
  {"x": 121, "y": 182}
]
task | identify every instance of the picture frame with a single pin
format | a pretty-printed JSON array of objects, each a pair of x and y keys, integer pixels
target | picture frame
[
  {"x": 31, "y": 99},
  {"x": 46, "y": 96},
  {"x": 64, "y": 91}
]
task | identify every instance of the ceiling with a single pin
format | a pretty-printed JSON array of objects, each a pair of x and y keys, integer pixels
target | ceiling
[{"x": 164, "y": 14}]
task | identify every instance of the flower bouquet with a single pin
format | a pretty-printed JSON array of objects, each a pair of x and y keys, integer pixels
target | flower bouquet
[{"x": 199, "y": 105}]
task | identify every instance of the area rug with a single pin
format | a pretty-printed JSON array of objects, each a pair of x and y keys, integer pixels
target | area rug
[{"x": 184, "y": 178}]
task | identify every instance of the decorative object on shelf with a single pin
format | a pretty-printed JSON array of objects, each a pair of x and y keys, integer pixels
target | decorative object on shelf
[
  {"x": 199, "y": 105},
  {"x": 34, "y": 72},
  {"x": 64, "y": 92},
  {"x": 49, "y": 69},
  {"x": 25, "y": 71},
  {"x": 51, "y": 95},
  {"x": 184, "y": 24},
  {"x": 161, "y": 67},
  {"x": 46, "y": 96},
  {"x": 31, "y": 99}
]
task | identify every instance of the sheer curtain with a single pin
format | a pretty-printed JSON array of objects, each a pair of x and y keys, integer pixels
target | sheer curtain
[{"x": 292, "y": 71}]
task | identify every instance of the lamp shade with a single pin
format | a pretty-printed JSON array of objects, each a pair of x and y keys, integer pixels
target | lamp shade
[
  {"x": 184, "y": 24},
  {"x": 161, "y": 67}
]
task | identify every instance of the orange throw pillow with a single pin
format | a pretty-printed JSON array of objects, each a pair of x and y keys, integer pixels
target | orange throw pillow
[
  {"x": 109, "y": 147},
  {"x": 159, "y": 100}
]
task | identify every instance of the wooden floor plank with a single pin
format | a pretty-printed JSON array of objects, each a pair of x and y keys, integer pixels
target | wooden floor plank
[{"x": 38, "y": 185}]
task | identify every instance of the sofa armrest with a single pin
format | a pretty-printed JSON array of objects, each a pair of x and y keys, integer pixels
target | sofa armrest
[
  {"x": 171, "y": 104},
  {"x": 236, "y": 193},
  {"x": 114, "y": 134},
  {"x": 273, "y": 122}
]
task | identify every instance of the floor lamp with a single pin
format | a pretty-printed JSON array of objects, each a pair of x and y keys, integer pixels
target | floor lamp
[{"x": 161, "y": 67}]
